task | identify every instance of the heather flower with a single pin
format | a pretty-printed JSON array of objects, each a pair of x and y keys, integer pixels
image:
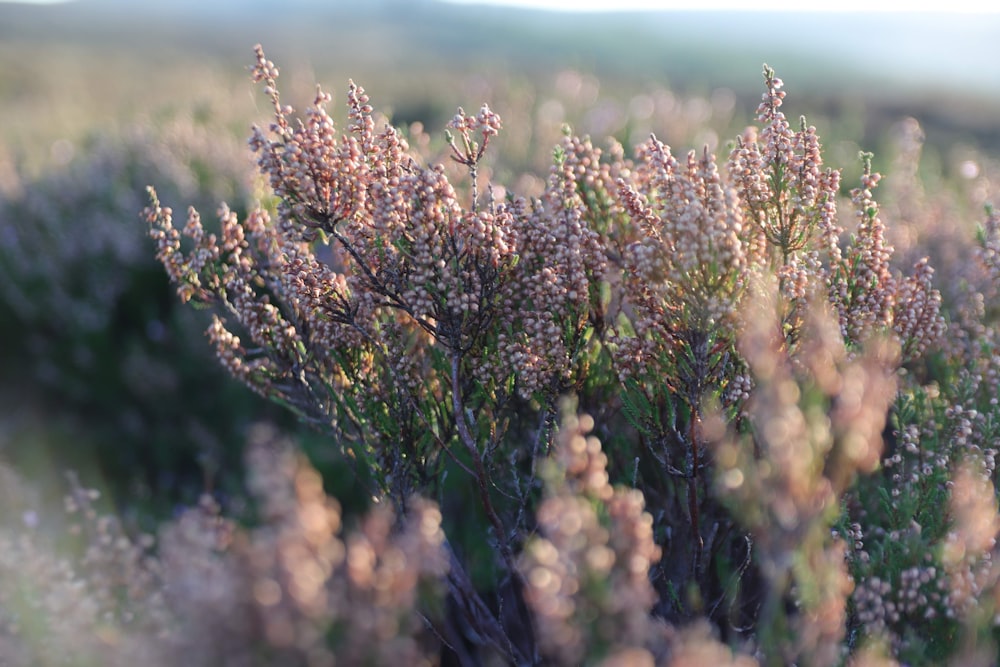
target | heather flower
[
  {"x": 790, "y": 206},
  {"x": 695, "y": 645},
  {"x": 485, "y": 124},
  {"x": 684, "y": 277},
  {"x": 869, "y": 304},
  {"x": 310, "y": 583},
  {"x": 550, "y": 298},
  {"x": 816, "y": 420},
  {"x": 408, "y": 269},
  {"x": 399, "y": 226},
  {"x": 790, "y": 201},
  {"x": 968, "y": 548},
  {"x": 691, "y": 255},
  {"x": 906, "y": 591},
  {"x": 916, "y": 318},
  {"x": 206, "y": 588},
  {"x": 587, "y": 571}
]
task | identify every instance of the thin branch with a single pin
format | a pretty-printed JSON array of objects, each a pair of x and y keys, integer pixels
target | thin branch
[{"x": 481, "y": 476}]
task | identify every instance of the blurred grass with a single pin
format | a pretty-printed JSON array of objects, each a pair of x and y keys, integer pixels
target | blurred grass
[{"x": 69, "y": 67}]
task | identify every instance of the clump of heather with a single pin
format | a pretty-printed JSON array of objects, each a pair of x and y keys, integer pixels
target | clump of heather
[
  {"x": 587, "y": 571},
  {"x": 815, "y": 418},
  {"x": 90, "y": 328},
  {"x": 909, "y": 523},
  {"x": 300, "y": 588},
  {"x": 760, "y": 466}
]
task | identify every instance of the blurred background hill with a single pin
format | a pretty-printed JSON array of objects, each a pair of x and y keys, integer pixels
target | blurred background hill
[{"x": 68, "y": 64}]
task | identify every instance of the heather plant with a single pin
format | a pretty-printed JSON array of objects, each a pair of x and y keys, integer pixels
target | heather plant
[
  {"x": 911, "y": 590},
  {"x": 101, "y": 369},
  {"x": 816, "y": 420},
  {"x": 770, "y": 430},
  {"x": 205, "y": 591},
  {"x": 588, "y": 569}
]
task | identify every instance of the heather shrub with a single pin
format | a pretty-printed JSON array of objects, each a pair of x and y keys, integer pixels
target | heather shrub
[
  {"x": 779, "y": 450},
  {"x": 91, "y": 333},
  {"x": 207, "y": 592}
]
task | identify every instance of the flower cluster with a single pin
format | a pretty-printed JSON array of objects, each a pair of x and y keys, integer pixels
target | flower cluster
[
  {"x": 297, "y": 589},
  {"x": 549, "y": 300},
  {"x": 309, "y": 583},
  {"x": 790, "y": 205},
  {"x": 790, "y": 200},
  {"x": 587, "y": 571},
  {"x": 683, "y": 277},
  {"x": 816, "y": 421},
  {"x": 691, "y": 255}
]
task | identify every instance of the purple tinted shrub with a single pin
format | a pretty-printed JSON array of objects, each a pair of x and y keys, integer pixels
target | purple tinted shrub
[{"x": 94, "y": 343}]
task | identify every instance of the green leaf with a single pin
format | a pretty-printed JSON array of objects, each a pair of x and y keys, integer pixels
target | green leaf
[
  {"x": 604, "y": 295},
  {"x": 636, "y": 406},
  {"x": 885, "y": 502},
  {"x": 558, "y": 156}
]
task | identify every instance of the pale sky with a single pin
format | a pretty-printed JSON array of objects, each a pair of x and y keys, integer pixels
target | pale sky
[
  {"x": 951, "y": 6},
  {"x": 957, "y": 6}
]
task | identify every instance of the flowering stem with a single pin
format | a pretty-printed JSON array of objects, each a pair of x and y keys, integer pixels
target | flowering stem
[
  {"x": 474, "y": 177},
  {"x": 482, "y": 477},
  {"x": 699, "y": 543}
]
